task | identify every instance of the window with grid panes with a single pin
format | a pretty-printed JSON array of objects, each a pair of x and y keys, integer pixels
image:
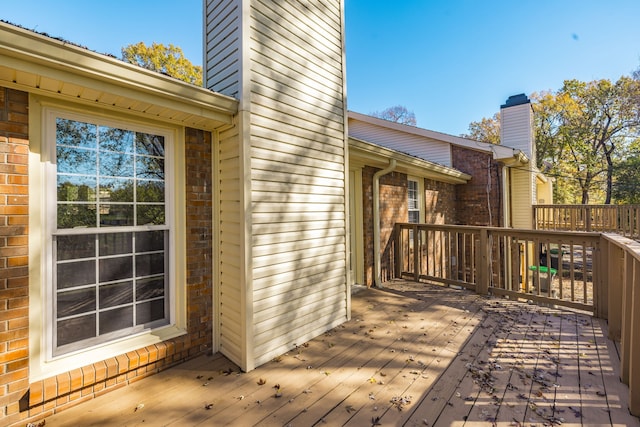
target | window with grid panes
[{"x": 110, "y": 234}]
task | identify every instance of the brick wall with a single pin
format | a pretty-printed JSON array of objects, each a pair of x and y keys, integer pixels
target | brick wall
[
  {"x": 14, "y": 268},
  {"x": 439, "y": 201},
  {"x": 21, "y": 402},
  {"x": 473, "y": 205}
]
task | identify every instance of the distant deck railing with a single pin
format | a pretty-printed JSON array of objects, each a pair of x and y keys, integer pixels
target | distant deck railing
[
  {"x": 595, "y": 272},
  {"x": 620, "y": 219}
]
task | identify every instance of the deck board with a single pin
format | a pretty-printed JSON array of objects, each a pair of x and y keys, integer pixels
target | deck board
[{"x": 412, "y": 355}]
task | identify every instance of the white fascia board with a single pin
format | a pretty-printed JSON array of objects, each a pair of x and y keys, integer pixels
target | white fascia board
[
  {"x": 41, "y": 53},
  {"x": 500, "y": 152},
  {"x": 367, "y": 153}
]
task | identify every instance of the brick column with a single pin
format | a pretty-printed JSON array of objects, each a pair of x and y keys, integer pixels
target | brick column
[{"x": 14, "y": 251}]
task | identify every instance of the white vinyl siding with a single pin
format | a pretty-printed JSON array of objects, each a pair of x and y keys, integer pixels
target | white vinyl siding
[
  {"x": 282, "y": 230},
  {"x": 516, "y": 129},
  {"x": 229, "y": 333},
  {"x": 298, "y": 174},
  {"x": 522, "y": 198},
  {"x": 221, "y": 45},
  {"x": 404, "y": 142}
]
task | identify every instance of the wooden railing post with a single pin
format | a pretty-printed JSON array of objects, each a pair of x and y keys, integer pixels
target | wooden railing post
[
  {"x": 633, "y": 352},
  {"x": 482, "y": 263},
  {"x": 614, "y": 278},
  {"x": 398, "y": 251},
  {"x": 627, "y": 313},
  {"x": 416, "y": 254}
]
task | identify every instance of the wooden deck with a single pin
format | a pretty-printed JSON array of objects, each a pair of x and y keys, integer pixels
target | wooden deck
[{"x": 412, "y": 355}]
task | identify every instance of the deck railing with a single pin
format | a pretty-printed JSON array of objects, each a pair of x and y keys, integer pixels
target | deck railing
[
  {"x": 621, "y": 219},
  {"x": 595, "y": 272}
]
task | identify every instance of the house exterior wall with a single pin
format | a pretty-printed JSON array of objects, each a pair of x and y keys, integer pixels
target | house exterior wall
[
  {"x": 222, "y": 46},
  {"x": 432, "y": 150},
  {"x": 230, "y": 320},
  {"x": 14, "y": 266},
  {"x": 523, "y": 197},
  {"x": 286, "y": 67},
  {"x": 438, "y": 200},
  {"x": 22, "y": 399},
  {"x": 479, "y": 202}
]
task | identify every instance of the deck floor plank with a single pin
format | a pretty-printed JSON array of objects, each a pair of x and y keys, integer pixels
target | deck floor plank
[{"x": 337, "y": 378}]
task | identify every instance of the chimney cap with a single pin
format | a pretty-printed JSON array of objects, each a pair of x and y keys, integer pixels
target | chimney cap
[{"x": 514, "y": 100}]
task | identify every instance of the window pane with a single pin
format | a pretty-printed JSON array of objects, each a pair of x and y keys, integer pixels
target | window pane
[
  {"x": 106, "y": 177},
  {"x": 149, "y": 311},
  {"x": 116, "y": 190},
  {"x": 113, "y": 139},
  {"x": 72, "y": 274},
  {"x": 76, "y": 302},
  {"x": 150, "y": 214},
  {"x": 71, "y": 247},
  {"x": 76, "y": 329},
  {"x": 148, "y": 241},
  {"x": 76, "y": 188},
  {"x": 150, "y": 191},
  {"x": 75, "y": 160},
  {"x": 150, "y": 168},
  {"x": 147, "y": 265},
  {"x": 116, "y": 294},
  {"x": 77, "y": 134},
  {"x": 115, "y": 243},
  {"x": 116, "y": 215},
  {"x": 116, "y": 164},
  {"x": 116, "y": 269},
  {"x": 152, "y": 145},
  {"x": 149, "y": 288},
  {"x": 80, "y": 215},
  {"x": 116, "y": 319}
]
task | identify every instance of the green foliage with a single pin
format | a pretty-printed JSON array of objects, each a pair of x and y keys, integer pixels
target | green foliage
[
  {"x": 583, "y": 130},
  {"x": 168, "y": 60},
  {"x": 626, "y": 187},
  {"x": 583, "y": 133},
  {"x": 486, "y": 130}
]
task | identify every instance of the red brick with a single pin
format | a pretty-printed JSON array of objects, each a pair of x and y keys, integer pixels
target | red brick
[{"x": 36, "y": 393}]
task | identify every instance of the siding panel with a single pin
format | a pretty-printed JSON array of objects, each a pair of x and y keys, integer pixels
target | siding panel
[
  {"x": 298, "y": 166},
  {"x": 222, "y": 50},
  {"x": 415, "y": 145},
  {"x": 229, "y": 238}
]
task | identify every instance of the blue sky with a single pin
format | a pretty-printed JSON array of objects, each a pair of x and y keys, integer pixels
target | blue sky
[{"x": 451, "y": 62}]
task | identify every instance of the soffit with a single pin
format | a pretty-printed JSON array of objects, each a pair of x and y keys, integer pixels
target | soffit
[{"x": 38, "y": 64}]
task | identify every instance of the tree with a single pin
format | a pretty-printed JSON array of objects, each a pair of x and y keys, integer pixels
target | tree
[
  {"x": 168, "y": 60},
  {"x": 486, "y": 130},
  {"x": 582, "y": 131},
  {"x": 626, "y": 187},
  {"x": 598, "y": 121},
  {"x": 397, "y": 114}
]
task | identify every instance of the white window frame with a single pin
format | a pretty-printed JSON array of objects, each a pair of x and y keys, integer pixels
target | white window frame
[
  {"x": 419, "y": 198},
  {"x": 44, "y": 362}
]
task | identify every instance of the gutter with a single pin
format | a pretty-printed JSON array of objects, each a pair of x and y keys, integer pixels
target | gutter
[{"x": 377, "y": 280}]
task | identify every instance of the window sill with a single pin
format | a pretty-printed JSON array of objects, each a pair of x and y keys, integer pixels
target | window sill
[{"x": 41, "y": 369}]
